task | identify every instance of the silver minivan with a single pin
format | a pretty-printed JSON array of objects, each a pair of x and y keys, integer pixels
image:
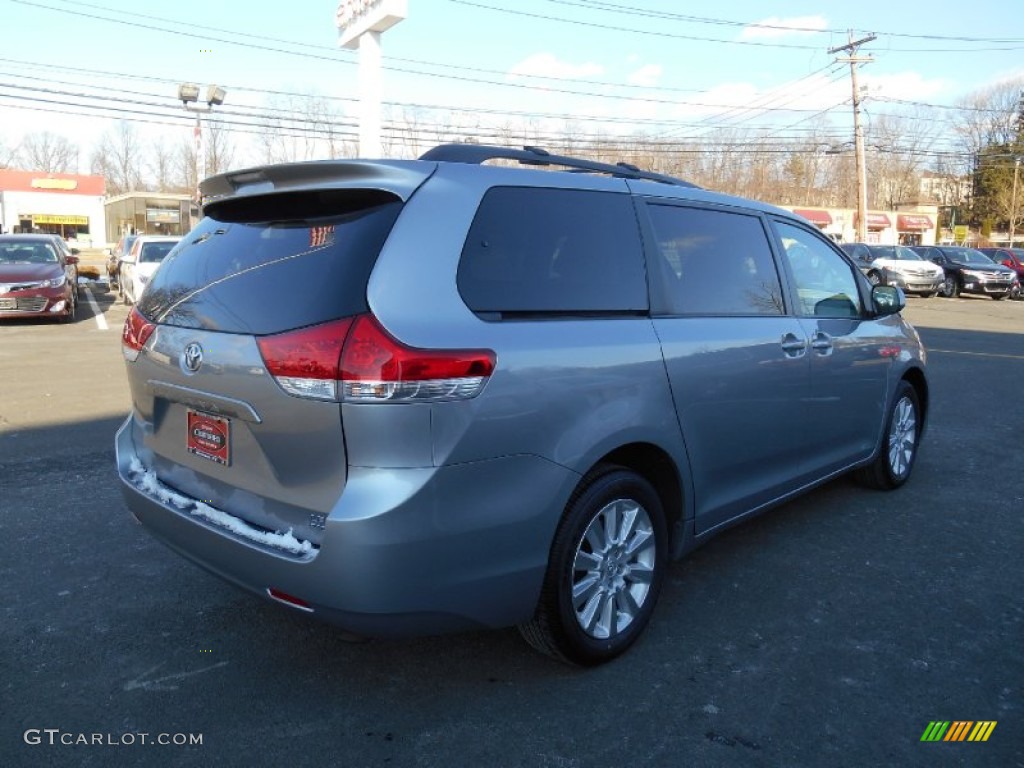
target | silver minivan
[{"x": 422, "y": 396}]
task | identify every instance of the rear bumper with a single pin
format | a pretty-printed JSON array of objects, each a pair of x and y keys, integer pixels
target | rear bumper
[{"x": 404, "y": 551}]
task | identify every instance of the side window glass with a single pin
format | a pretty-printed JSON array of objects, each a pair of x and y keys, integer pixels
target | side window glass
[
  {"x": 712, "y": 262},
  {"x": 552, "y": 251},
  {"x": 824, "y": 282}
]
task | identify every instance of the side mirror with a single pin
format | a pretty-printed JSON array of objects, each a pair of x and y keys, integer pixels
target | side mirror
[
  {"x": 887, "y": 300},
  {"x": 71, "y": 259}
]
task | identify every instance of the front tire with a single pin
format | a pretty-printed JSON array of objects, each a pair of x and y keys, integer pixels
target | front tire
[
  {"x": 605, "y": 570},
  {"x": 72, "y": 312},
  {"x": 895, "y": 460}
]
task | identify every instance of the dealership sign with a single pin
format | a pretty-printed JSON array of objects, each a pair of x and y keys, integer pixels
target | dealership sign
[{"x": 355, "y": 17}]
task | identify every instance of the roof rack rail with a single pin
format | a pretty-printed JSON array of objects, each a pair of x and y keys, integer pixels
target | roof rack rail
[{"x": 480, "y": 153}]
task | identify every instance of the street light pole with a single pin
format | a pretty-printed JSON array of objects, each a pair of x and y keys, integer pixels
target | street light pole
[{"x": 189, "y": 95}]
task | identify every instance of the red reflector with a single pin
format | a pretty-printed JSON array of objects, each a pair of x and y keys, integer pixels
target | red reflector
[
  {"x": 284, "y": 597},
  {"x": 372, "y": 354},
  {"x": 308, "y": 353},
  {"x": 137, "y": 330}
]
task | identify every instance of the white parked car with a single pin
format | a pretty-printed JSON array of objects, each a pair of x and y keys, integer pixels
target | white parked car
[
  {"x": 138, "y": 266},
  {"x": 897, "y": 265}
]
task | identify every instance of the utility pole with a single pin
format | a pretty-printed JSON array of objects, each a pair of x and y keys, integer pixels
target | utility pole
[
  {"x": 1013, "y": 201},
  {"x": 858, "y": 133}
]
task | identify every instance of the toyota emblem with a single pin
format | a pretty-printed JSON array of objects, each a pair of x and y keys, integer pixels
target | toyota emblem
[{"x": 193, "y": 357}]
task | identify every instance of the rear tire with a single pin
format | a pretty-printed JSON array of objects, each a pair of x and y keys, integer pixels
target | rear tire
[
  {"x": 896, "y": 456},
  {"x": 605, "y": 570},
  {"x": 950, "y": 287}
]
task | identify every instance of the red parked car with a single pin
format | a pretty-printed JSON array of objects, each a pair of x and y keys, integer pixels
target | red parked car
[
  {"x": 1012, "y": 258},
  {"x": 37, "y": 279}
]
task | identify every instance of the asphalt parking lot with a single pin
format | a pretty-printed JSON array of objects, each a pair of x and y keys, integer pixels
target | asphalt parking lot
[{"x": 828, "y": 632}]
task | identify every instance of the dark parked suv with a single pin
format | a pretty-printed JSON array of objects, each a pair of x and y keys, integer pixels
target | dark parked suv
[
  {"x": 422, "y": 396},
  {"x": 968, "y": 270}
]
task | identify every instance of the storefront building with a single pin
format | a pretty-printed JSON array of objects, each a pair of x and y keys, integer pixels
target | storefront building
[
  {"x": 916, "y": 227},
  {"x": 912, "y": 228},
  {"x": 62, "y": 204},
  {"x": 147, "y": 213}
]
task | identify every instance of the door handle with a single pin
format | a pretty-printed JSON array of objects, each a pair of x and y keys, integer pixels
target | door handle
[
  {"x": 821, "y": 343},
  {"x": 793, "y": 346}
]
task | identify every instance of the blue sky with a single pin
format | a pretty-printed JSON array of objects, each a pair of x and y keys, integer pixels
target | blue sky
[{"x": 668, "y": 68}]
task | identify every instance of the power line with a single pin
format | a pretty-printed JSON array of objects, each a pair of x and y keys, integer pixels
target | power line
[
  {"x": 292, "y": 128},
  {"x": 334, "y": 58},
  {"x": 619, "y": 29},
  {"x": 678, "y": 36}
]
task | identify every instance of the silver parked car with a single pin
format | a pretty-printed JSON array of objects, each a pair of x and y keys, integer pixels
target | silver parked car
[{"x": 421, "y": 396}]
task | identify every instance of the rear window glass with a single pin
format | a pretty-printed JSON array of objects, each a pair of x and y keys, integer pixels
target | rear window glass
[
  {"x": 155, "y": 252},
  {"x": 268, "y": 276},
  {"x": 553, "y": 251}
]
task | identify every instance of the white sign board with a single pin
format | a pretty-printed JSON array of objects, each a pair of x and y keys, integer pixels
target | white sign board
[{"x": 354, "y": 17}]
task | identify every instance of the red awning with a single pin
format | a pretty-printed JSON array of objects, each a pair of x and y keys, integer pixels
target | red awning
[
  {"x": 821, "y": 218},
  {"x": 878, "y": 221},
  {"x": 912, "y": 222}
]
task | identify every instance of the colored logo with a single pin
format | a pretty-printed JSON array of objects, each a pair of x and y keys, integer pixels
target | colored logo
[{"x": 958, "y": 730}]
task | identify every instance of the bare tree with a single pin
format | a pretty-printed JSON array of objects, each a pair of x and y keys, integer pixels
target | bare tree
[
  {"x": 8, "y": 153},
  {"x": 899, "y": 146},
  {"x": 161, "y": 167},
  {"x": 302, "y": 127},
  {"x": 48, "y": 152},
  {"x": 119, "y": 157},
  {"x": 987, "y": 117},
  {"x": 989, "y": 128},
  {"x": 218, "y": 148}
]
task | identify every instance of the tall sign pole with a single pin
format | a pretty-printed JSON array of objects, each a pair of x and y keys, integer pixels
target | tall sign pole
[
  {"x": 360, "y": 25},
  {"x": 858, "y": 133}
]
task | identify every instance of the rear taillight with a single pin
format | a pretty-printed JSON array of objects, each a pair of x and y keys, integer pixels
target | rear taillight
[
  {"x": 136, "y": 332},
  {"x": 356, "y": 360},
  {"x": 305, "y": 362}
]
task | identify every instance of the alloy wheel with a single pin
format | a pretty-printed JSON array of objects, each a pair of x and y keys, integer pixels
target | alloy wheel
[
  {"x": 902, "y": 437},
  {"x": 613, "y": 568}
]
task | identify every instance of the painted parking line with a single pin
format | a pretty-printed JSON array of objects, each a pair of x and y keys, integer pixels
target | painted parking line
[
  {"x": 976, "y": 354},
  {"x": 101, "y": 321}
]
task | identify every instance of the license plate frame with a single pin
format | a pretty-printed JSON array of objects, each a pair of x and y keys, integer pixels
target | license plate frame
[{"x": 209, "y": 437}]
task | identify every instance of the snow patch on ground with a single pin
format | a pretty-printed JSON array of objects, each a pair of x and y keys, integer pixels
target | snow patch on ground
[{"x": 146, "y": 481}]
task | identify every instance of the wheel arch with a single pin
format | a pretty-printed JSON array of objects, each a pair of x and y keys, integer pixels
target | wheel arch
[
  {"x": 915, "y": 377},
  {"x": 656, "y": 466}
]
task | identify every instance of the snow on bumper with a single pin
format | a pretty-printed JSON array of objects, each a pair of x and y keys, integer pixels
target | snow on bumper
[{"x": 146, "y": 481}]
